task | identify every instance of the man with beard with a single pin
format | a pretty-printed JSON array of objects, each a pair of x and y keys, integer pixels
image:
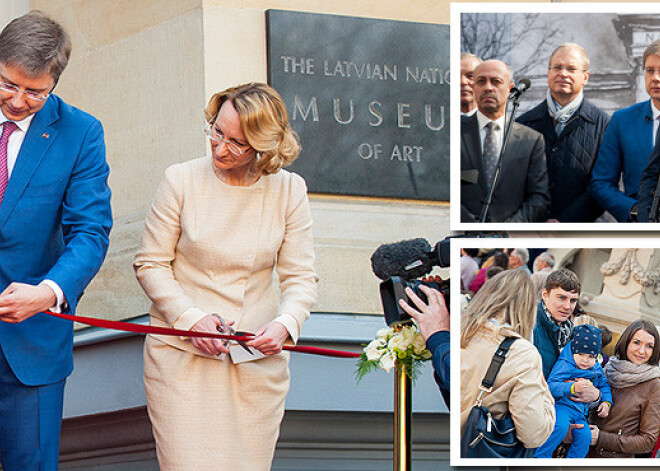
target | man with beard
[
  {"x": 572, "y": 128},
  {"x": 468, "y": 63},
  {"x": 521, "y": 191}
]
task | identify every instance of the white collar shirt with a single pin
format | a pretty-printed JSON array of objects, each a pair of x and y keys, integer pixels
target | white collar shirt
[
  {"x": 656, "y": 120},
  {"x": 498, "y": 131}
]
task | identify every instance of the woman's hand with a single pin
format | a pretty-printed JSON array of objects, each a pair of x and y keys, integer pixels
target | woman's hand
[
  {"x": 208, "y": 345},
  {"x": 594, "y": 434},
  {"x": 270, "y": 338}
]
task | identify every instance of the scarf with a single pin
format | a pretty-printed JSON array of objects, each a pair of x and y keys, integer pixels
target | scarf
[
  {"x": 560, "y": 114},
  {"x": 623, "y": 373},
  {"x": 565, "y": 328}
]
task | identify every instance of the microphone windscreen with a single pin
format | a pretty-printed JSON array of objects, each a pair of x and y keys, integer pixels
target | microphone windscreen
[
  {"x": 391, "y": 259},
  {"x": 526, "y": 83}
]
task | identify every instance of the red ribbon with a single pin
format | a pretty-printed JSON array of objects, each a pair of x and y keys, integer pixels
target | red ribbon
[{"x": 150, "y": 329}]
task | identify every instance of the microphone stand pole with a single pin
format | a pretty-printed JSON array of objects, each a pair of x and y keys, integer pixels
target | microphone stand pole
[
  {"x": 402, "y": 419},
  {"x": 653, "y": 213},
  {"x": 496, "y": 177}
]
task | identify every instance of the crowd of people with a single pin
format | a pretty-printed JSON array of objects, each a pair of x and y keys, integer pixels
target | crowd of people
[
  {"x": 565, "y": 160},
  {"x": 565, "y": 396}
]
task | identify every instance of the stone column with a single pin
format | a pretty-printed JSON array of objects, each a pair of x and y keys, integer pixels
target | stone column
[{"x": 631, "y": 288}]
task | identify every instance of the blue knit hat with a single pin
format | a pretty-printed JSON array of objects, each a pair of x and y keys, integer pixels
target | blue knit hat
[{"x": 586, "y": 339}]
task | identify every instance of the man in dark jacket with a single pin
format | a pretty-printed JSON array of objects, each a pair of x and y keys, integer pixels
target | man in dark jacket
[
  {"x": 521, "y": 190},
  {"x": 553, "y": 328},
  {"x": 572, "y": 128}
]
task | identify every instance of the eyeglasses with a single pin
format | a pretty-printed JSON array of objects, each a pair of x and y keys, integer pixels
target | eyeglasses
[
  {"x": 13, "y": 90},
  {"x": 217, "y": 136},
  {"x": 568, "y": 68}
]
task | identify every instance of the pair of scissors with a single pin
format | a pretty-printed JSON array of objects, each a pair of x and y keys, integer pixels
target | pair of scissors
[{"x": 224, "y": 327}]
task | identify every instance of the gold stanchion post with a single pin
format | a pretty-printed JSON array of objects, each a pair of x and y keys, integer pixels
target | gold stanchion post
[{"x": 402, "y": 420}]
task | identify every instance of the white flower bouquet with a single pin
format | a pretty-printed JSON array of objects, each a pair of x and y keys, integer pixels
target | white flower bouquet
[{"x": 401, "y": 342}]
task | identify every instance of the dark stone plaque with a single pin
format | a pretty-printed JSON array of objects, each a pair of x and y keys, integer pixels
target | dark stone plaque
[{"x": 369, "y": 99}]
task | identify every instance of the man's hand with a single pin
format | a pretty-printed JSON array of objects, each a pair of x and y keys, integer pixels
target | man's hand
[
  {"x": 585, "y": 391},
  {"x": 430, "y": 317},
  {"x": 208, "y": 345},
  {"x": 20, "y": 301},
  {"x": 270, "y": 338}
]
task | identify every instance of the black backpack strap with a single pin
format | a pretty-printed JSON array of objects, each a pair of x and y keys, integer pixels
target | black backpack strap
[{"x": 496, "y": 363}]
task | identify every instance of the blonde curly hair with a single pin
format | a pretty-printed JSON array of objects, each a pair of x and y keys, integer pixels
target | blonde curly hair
[{"x": 264, "y": 122}]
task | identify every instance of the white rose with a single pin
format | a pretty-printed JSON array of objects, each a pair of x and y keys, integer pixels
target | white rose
[
  {"x": 387, "y": 362},
  {"x": 418, "y": 344},
  {"x": 373, "y": 350},
  {"x": 385, "y": 333},
  {"x": 396, "y": 343}
]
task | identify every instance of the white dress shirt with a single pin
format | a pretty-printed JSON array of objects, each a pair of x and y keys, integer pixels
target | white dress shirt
[
  {"x": 483, "y": 120},
  {"x": 656, "y": 121}
]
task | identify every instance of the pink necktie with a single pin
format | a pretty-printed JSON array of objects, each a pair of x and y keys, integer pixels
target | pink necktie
[{"x": 8, "y": 128}]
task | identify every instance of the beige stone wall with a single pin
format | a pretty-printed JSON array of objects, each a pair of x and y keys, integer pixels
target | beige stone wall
[
  {"x": 616, "y": 298},
  {"x": 146, "y": 69}
]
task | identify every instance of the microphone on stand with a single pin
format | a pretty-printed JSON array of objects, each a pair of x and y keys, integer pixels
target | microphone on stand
[
  {"x": 514, "y": 94},
  {"x": 520, "y": 88}
]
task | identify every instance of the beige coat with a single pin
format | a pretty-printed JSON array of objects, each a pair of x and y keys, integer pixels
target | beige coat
[
  {"x": 519, "y": 387},
  {"x": 209, "y": 247}
]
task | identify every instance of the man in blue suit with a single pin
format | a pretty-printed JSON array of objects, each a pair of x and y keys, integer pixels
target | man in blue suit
[
  {"x": 55, "y": 219},
  {"x": 627, "y": 145}
]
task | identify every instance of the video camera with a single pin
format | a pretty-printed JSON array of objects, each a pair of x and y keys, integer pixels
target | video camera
[{"x": 399, "y": 264}]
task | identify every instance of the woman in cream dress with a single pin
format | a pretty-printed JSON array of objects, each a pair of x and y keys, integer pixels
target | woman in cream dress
[{"x": 216, "y": 232}]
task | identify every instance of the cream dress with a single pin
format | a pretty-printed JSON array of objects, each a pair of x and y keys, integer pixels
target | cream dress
[{"x": 208, "y": 247}]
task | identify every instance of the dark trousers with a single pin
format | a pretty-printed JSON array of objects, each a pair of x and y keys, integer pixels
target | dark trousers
[{"x": 30, "y": 422}]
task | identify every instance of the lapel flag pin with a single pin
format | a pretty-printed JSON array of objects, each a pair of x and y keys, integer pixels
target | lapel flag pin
[{"x": 45, "y": 136}]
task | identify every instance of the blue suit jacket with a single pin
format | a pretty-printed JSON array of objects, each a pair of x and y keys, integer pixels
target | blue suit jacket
[
  {"x": 438, "y": 345},
  {"x": 626, "y": 147},
  {"x": 54, "y": 224}
]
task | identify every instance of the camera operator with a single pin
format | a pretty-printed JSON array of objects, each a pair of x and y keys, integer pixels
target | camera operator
[{"x": 433, "y": 322}]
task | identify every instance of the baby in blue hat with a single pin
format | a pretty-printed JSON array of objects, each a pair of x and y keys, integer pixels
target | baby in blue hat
[{"x": 576, "y": 366}]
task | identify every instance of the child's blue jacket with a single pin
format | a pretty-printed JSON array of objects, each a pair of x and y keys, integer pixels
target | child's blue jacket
[{"x": 566, "y": 370}]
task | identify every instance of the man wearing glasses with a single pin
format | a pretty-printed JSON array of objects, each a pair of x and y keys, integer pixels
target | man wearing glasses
[
  {"x": 55, "y": 219},
  {"x": 572, "y": 128},
  {"x": 627, "y": 146}
]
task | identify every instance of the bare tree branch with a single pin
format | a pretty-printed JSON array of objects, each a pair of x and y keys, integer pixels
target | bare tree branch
[{"x": 496, "y": 35}]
